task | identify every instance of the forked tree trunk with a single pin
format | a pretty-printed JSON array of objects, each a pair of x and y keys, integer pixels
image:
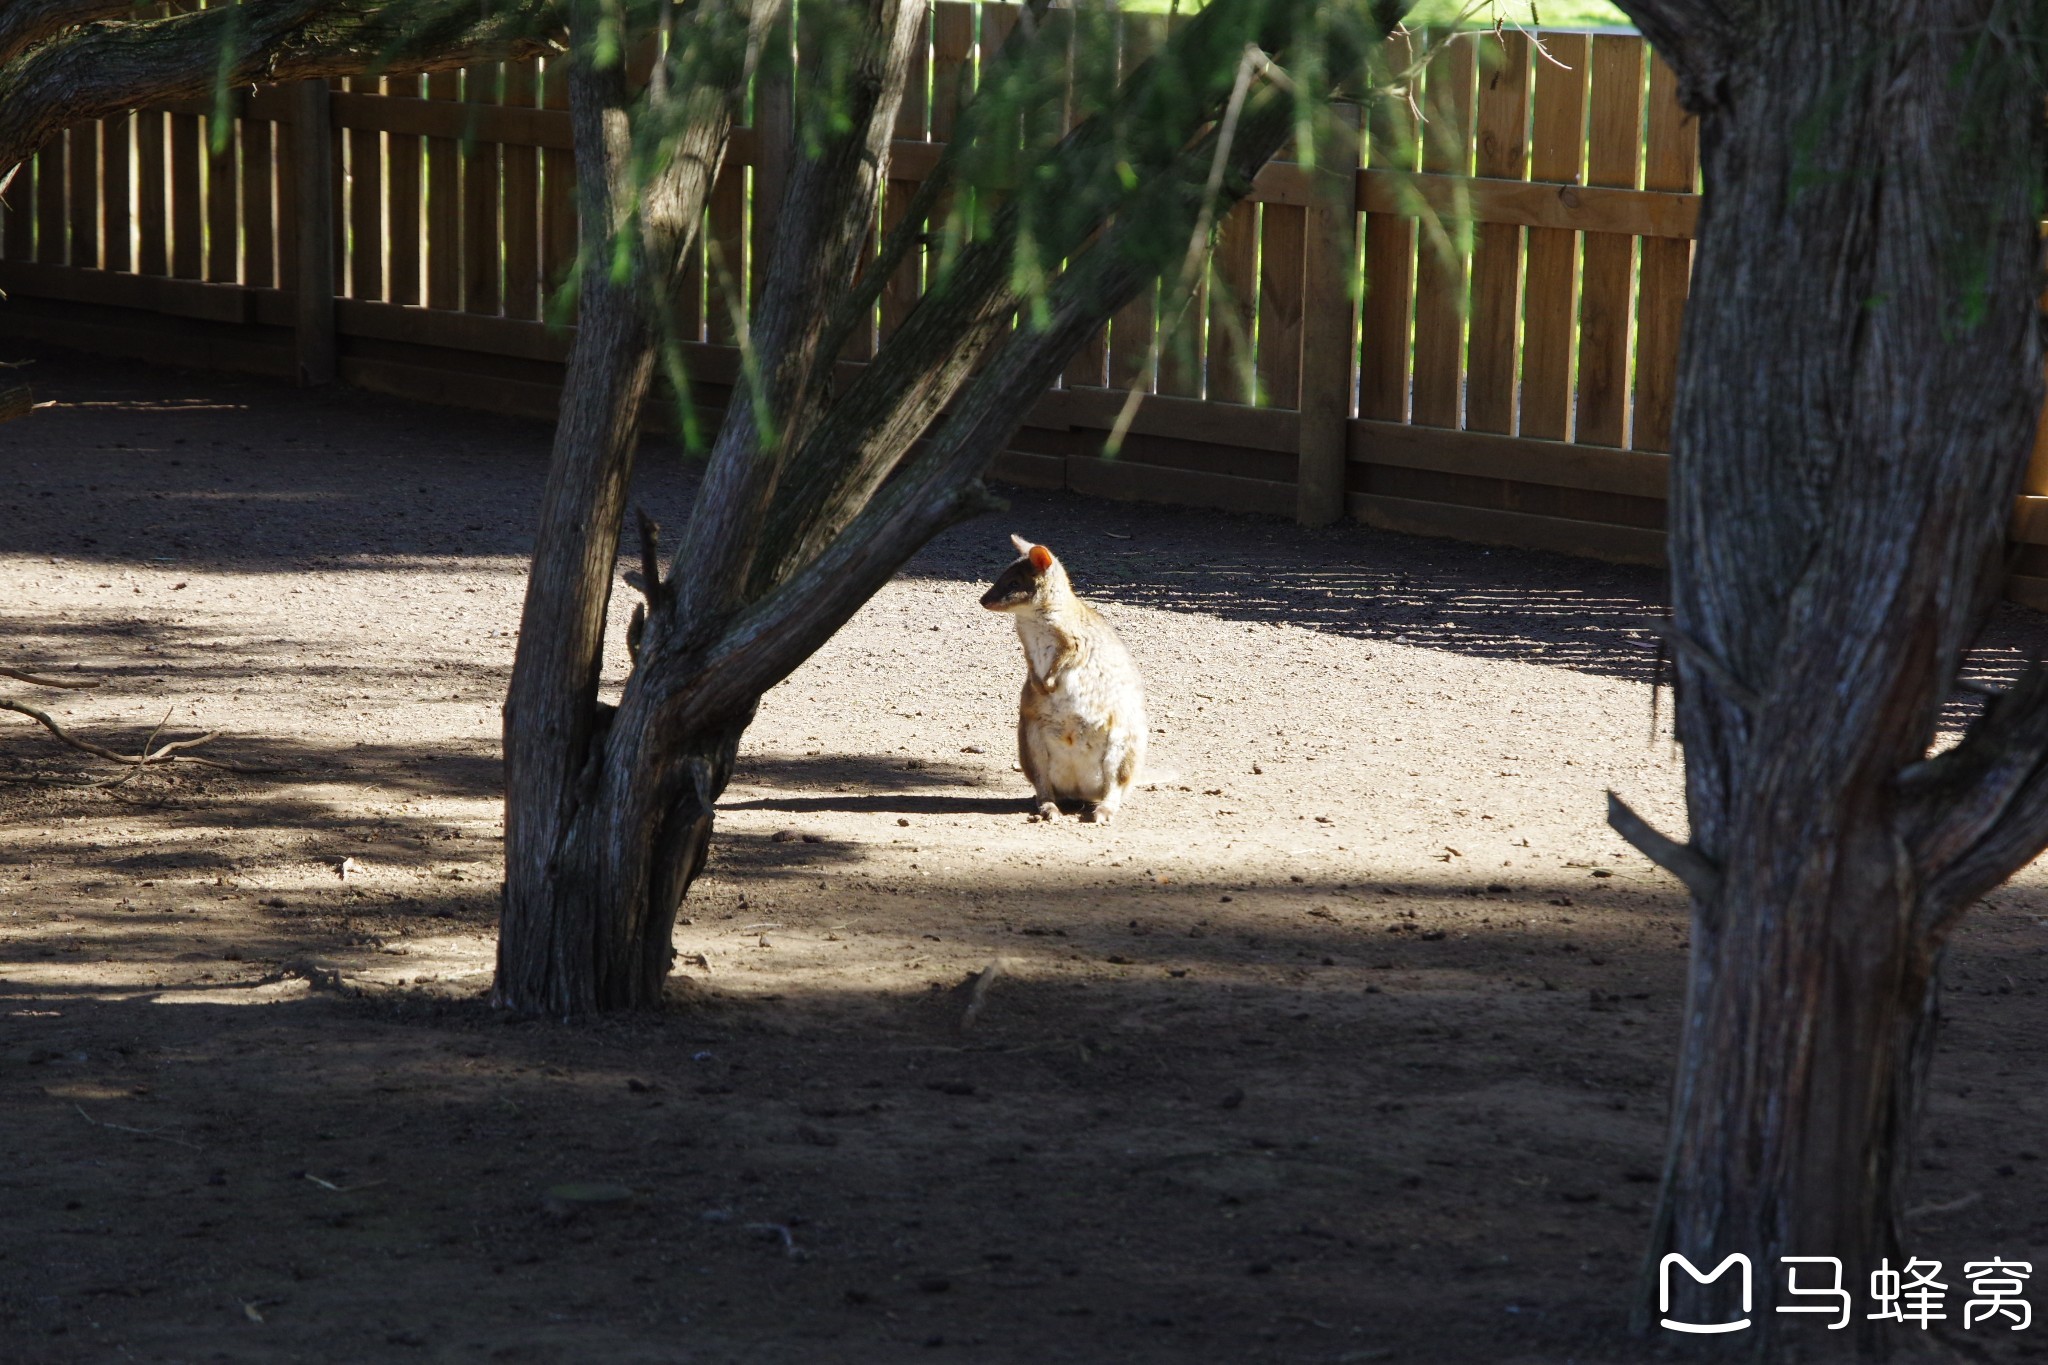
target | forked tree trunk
[
  {"x": 560, "y": 949},
  {"x": 1859, "y": 387}
]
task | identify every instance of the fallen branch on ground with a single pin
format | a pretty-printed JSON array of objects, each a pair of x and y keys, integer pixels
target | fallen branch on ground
[
  {"x": 173, "y": 752},
  {"x": 78, "y": 685}
]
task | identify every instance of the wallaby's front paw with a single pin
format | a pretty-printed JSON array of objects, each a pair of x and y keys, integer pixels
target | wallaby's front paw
[
  {"x": 1098, "y": 815},
  {"x": 1046, "y": 811}
]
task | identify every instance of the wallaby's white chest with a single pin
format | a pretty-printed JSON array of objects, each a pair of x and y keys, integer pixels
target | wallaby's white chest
[{"x": 1043, "y": 644}]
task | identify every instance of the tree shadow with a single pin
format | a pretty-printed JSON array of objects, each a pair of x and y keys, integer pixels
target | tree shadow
[
  {"x": 903, "y": 804},
  {"x": 1525, "y": 606},
  {"x": 1243, "y": 1133}
]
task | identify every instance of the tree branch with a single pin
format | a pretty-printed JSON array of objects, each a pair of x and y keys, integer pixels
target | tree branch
[
  {"x": 168, "y": 753},
  {"x": 1682, "y": 861},
  {"x": 1701, "y": 40},
  {"x": 105, "y": 68},
  {"x": 940, "y": 485},
  {"x": 1979, "y": 812},
  {"x": 922, "y": 366},
  {"x": 24, "y": 23},
  {"x": 816, "y": 251},
  {"x": 73, "y": 684}
]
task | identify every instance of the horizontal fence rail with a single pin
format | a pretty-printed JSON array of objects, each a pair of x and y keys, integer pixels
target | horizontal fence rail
[{"x": 1471, "y": 330}]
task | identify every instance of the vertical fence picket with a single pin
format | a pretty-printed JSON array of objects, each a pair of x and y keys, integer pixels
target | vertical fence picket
[
  {"x": 1440, "y": 262},
  {"x": 188, "y": 237},
  {"x": 365, "y": 204},
  {"x": 1558, "y": 144},
  {"x": 481, "y": 241},
  {"x": 725, "y": 253},
  {"x": 285, "y": 186},
  {"x": 50, "y": 209},
  {"x": 1232, "y": 305},
  {"x": 1183, "y": 319},
  {"x": 1283, "y": 246},
  {"x": 522, "y": 203},
  {"x": 337, "y": 217},
  {"x": 1502, "y": 153},
  {"x": 1329, "y": 322},
  {"x": 1131, "y": 327},
  {"x": 152, "y": 241},
  {"x": 444, "y": 203},
  {"x": 558, "y": 188},
  {"x": 223, "y": 217},
  {"x": 1389, "y": 260},
  {"x": 314, "y": 221},
  {"x": 18, "y": 230},
  {"x": 402, "y": 225},
  {"x": 1669, "y": 161},
  {"x": 117, "y": 243},
  {"x": 952, "y": 64},
  {"x": 1089, "y": 365},
  {"x": 951, "y": 85},
  {"x": 83, "y": 153},
  {"x": 900, "y": 292},
  {"x": 1607, "y": 275},
  {"x": 259, "y": 203}
]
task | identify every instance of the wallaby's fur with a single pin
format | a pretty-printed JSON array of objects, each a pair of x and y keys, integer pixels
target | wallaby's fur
[{"x": 1081, "y": 723}]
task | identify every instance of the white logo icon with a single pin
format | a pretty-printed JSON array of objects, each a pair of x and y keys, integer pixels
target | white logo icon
[{"x": 1702, "y": 1329}]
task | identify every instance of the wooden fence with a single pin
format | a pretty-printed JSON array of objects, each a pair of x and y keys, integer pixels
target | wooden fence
[{"x": 1505, "y": 374}]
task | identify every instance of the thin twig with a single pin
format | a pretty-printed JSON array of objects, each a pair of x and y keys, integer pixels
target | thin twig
[
  {"x": 168, "y": 753},
  {"x": 19, "y": 675},
  {"x": 139, "y": 1132},
  {"x": 142, "y": 758}
]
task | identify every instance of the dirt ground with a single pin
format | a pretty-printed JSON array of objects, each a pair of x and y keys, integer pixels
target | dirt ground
[{"x": 1349, "y": 1043}]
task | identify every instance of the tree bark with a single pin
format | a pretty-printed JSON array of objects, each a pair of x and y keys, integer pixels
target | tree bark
[
  {"x": 1859, "y": 388},
  {"x": 62, "y": 64},
  {"x": 561, "y": 949}
]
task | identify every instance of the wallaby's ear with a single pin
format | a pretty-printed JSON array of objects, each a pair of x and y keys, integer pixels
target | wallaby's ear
[
  {"x": 1023, "y": 545},
  {"x": 1041, "y": 558}
]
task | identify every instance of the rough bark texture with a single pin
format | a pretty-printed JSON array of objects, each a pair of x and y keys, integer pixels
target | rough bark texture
[
  {"x": 811, "y": 500},
  {"x": 1859, "y": 388},
  {"x": 61, "y": 64},
  {"x": 572, "y": 936}
]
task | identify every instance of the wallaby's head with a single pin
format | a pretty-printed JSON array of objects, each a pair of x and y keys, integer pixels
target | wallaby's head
[{"x": 1027, "y": 581}]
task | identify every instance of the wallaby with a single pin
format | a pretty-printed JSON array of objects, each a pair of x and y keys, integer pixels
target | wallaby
[{"x": 1081, "y": 723}]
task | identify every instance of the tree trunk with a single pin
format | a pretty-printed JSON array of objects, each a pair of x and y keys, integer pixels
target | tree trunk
[
  {"x": 560, "y": 951},
  {"x": 1859, "y": 388}
]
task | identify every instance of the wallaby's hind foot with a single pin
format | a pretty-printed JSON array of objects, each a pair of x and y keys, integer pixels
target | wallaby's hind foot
[{"x": 1045, "y": 810}]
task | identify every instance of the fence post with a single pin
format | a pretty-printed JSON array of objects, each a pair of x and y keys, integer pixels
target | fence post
[
  {"x": 313, "y": 191},
  {"x": 1327, "y": 320}
]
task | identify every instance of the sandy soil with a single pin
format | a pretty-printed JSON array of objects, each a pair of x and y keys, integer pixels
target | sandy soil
[{"x": 1348, "y": 1043}]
